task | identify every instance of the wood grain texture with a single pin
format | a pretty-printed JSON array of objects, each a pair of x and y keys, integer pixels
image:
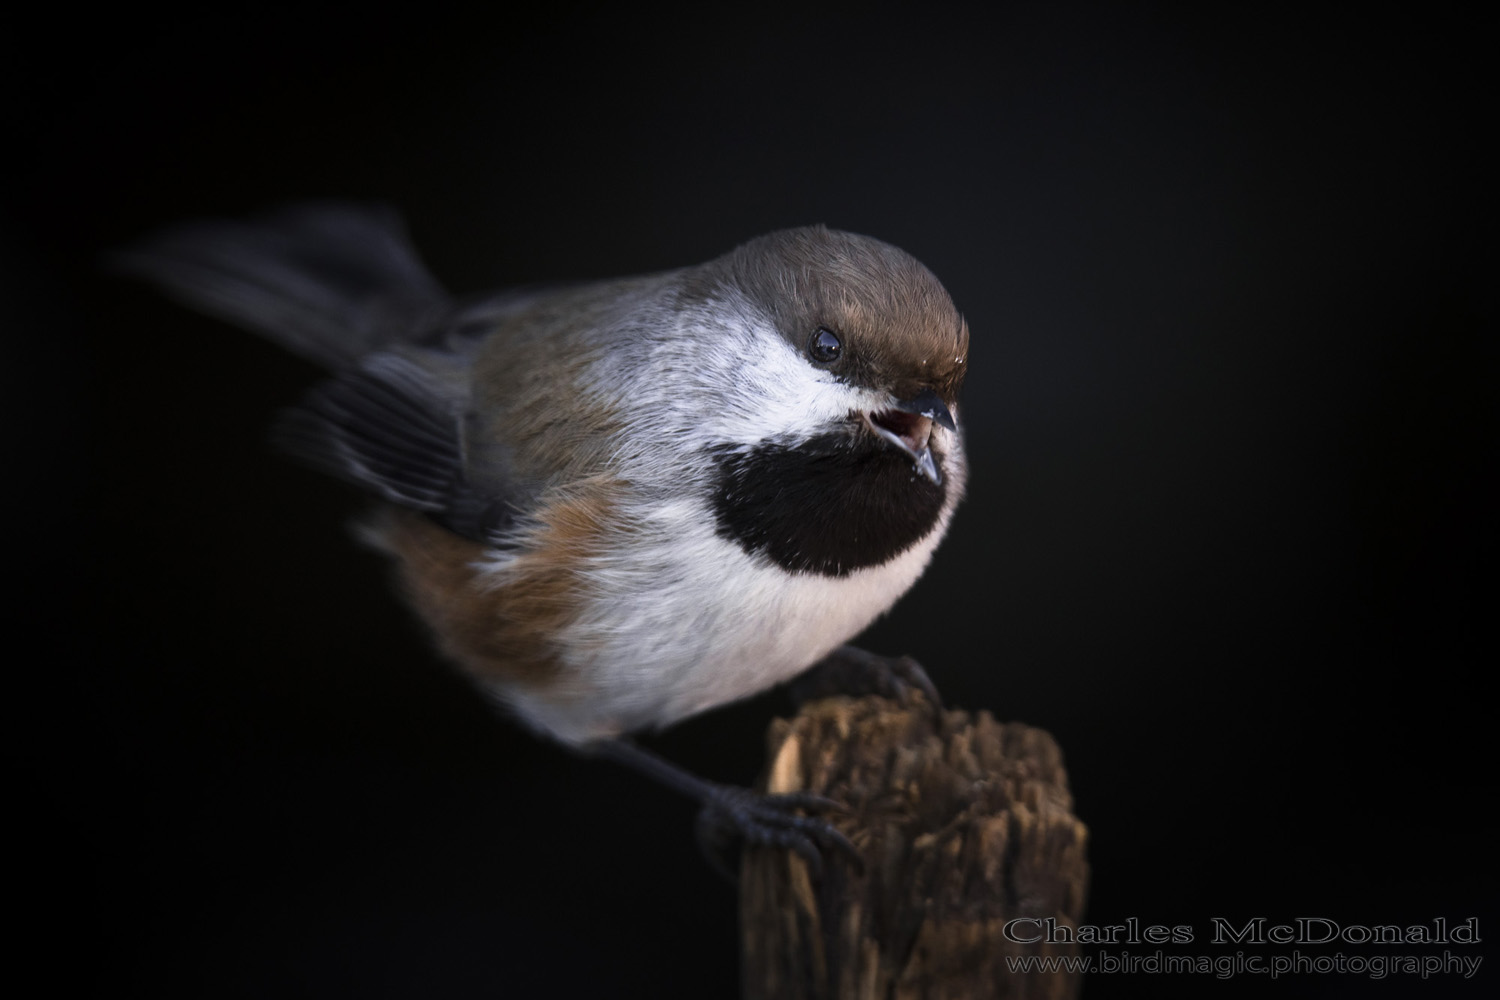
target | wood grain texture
[{"x": 964, "y": 824}]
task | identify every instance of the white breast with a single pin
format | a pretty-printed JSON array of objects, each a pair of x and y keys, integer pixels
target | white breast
[{"x": 684, "y": 620}]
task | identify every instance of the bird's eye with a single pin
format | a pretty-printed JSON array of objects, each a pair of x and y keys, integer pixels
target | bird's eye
[{"x": 824, "y": 346}]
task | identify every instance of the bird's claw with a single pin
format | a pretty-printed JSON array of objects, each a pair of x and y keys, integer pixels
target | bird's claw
[
  {"x": 731, "y": 814},
  {"x": 852, "y": 671}
]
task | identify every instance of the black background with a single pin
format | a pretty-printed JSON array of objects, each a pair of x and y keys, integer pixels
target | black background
[{"x": 1225, "y": 536}]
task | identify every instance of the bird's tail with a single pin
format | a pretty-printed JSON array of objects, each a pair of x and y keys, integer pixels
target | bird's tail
[{"x": 329, "y": 282}]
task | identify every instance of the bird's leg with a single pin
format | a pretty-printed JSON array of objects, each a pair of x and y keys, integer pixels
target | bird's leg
[
  {"x": 852, "y": 671},
  {"x": 731, "y": 813}
]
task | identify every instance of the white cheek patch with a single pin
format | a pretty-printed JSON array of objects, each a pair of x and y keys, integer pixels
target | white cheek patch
[
  {"x": 717, "y": 374},
  {"x": 775, "y": 393},
  {"x": 768, "y": 390}
]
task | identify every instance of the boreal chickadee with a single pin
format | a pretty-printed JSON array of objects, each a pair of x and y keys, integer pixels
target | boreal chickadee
[{"x": 618, "y": 504}]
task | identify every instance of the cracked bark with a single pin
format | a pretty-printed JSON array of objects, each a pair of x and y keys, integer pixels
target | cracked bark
[{"x": 965, "y": 824}]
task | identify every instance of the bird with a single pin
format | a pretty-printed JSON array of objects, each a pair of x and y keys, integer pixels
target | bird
[{"x": 618, "y": 504}]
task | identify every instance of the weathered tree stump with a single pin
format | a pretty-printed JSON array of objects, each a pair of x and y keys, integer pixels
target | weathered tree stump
[{"x": 964, "y": 823}]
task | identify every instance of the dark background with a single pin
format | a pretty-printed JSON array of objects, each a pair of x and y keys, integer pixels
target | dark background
[{"x": 1225, "y": 535}]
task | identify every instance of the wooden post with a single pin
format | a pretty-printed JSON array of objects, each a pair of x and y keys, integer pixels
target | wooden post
[{"x": 964, "y": 824}]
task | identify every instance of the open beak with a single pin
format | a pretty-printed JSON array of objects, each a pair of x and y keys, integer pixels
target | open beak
[{"x": 908, "y": 426}]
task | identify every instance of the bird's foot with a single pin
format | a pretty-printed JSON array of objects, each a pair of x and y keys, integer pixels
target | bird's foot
[
  {"x": 732, "y": 816},
  {"x": 741, "y": 816},
  {"x": 852, "y": 671}
]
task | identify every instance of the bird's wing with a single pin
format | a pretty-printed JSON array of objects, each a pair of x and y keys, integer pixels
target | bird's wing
[{"x": 394, "y": 424}]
